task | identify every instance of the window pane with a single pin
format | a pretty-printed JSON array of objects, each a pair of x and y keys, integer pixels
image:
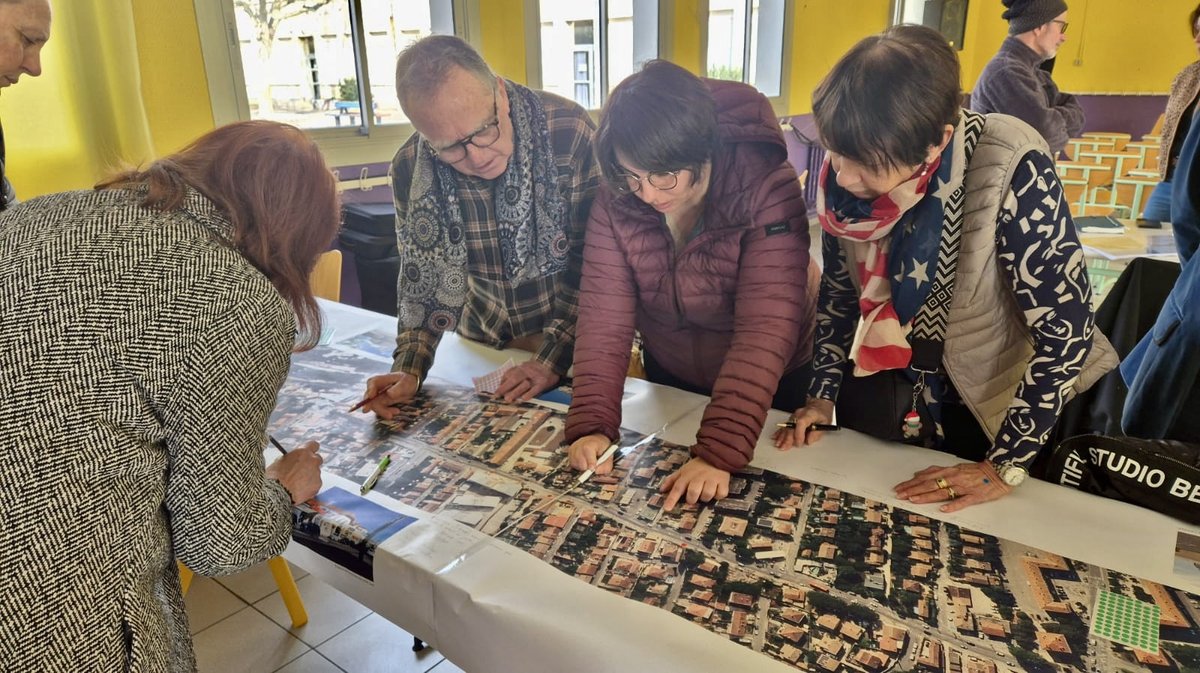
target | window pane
[
  {"x": 583, "y": 95},
  {"x": 726, "y": 39},
  {"x": 946, "y": 16},
  {"x": 570, "y": 64},
  {"x": 912, "y": 11},
  {"x": 632, "y": 37},
  {"x": 390, "y": 27},
  {"x": 580, "y": 54},
  {"x": 299, "y": 63},
  {"x": 766, "y": 46}
]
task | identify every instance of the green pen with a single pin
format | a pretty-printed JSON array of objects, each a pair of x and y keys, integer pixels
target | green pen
[{"x": 371, "y": 480}]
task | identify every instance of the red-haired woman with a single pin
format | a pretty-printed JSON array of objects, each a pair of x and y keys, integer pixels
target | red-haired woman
[{"x": 147, "y": 329}]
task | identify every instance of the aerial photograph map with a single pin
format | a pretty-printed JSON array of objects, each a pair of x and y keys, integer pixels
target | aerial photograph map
[{"x": 815, "y": 577}]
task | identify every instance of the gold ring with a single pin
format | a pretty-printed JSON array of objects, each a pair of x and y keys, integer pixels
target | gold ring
[
  {"x": 942, "y": 483},
  {"x": 950, "y": 492}
]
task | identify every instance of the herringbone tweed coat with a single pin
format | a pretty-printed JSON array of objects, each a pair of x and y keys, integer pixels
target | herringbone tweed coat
[{"x": 140, "y": 357}]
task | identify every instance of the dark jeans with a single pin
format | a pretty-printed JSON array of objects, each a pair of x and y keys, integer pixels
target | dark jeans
[
  {"x": 792, "y": 391},
  {"x": 1157, "y": 207}
]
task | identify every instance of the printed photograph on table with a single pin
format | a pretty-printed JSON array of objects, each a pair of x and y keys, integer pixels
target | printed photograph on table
[
  {"x": 815, "y": 577},
  {"x": 345, "y": 528},
  {"x": 1187, "y": 555},
  {"x": 374, "y": 343}
]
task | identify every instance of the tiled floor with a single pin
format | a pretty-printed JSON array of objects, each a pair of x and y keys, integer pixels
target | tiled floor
[{"x": 239, "y": 625}]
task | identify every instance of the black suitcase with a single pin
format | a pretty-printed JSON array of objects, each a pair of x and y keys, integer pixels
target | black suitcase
[
  {"x": 376, "y": 219},
  {"x": 377, "y": 283},
  {"x": 369, "y": 232},
  {"x": 366, "y": 246}
]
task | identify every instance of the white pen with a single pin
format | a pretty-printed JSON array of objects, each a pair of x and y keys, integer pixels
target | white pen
[{"x": 608, "y": 453}]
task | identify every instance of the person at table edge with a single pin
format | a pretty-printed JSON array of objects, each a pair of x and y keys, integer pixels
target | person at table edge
[{"x": 492, "y": 193}]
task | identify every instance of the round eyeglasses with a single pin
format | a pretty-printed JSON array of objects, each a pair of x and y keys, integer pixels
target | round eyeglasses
[
  {"x": 628, "y": 183},
  {"x": 486, "y": 136}
]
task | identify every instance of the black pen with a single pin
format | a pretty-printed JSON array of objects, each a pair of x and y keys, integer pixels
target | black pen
[
  {"x": 815, "y": 427},
  {"x": 277, "y": 444}
]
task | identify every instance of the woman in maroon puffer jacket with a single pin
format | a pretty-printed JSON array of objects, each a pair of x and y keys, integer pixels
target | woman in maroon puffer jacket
[{"x": 699, "y": 241}]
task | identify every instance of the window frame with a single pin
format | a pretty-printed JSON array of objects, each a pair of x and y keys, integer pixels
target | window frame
[
  {"x": 366, "y": 143},
  {"x": 778, "y": 102},
  {"x": 533, "y": 46},
  {"x": 897, "y": 18}
]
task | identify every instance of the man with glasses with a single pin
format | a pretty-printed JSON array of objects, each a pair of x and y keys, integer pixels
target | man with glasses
[
  {"x": 1013, "y": 84},
  {"x": 492, "y": 194}
]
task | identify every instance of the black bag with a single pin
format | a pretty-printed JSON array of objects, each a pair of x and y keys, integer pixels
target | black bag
[
  {"x": 876, "y": 405},
  {"x": 1159, "y": 474}
]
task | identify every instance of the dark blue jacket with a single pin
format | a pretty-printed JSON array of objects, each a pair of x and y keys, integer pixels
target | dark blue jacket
[{"x": 1162, "y": 371}]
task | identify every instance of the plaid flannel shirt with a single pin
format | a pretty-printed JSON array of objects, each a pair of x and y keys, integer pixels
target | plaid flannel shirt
[{"x": 498, "y": 310}]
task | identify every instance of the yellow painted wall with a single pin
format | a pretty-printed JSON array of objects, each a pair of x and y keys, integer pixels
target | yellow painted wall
[
  {"x": 48, "y": 122},
  {"x": 985, "y": 31},
  {"x": 503, "y": 41},
  {"x": 1125, "y": 47},
  {"x": 1113, "y": 46},
  {"x": 823, "y": 30},
  {"x": 174, "y": 84},
  {"x": 682, "y": 45},
  {"x": 43, "y": 143}
]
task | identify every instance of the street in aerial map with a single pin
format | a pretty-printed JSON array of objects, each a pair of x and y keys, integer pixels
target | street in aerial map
[{"x": 816, "y": 577}]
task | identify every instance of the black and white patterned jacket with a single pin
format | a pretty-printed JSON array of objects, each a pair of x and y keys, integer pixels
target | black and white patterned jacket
[{"x": 140, "y": 357}]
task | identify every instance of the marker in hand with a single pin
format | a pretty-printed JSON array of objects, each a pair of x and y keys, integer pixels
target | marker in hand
[
  {"x": 277, "y": 445},
  {"x": 815, "y": 427},
  {"x": 367, "y": 400},
  {"x": 607, "y": 455}
]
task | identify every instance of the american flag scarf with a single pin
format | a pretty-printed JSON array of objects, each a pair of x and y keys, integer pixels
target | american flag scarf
[{"x": 869, "y": 227}]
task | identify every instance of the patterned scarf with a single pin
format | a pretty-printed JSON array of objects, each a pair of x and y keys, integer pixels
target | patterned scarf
[
  {"x": 531, "y": 218},
  {"x": 895, "y": 263}
]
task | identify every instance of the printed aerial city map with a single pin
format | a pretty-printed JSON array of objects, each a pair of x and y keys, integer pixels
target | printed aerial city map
[{"x": 815, "y": 577}]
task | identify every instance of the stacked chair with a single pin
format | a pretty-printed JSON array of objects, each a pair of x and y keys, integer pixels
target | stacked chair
[{"x": 1110, "y": 173}]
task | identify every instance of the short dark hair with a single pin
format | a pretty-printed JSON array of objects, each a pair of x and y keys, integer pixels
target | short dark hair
[
  {"x": 423, "y": 66},
  {"x": 662, "y": 118},
  {"x": 889, "y": 98},
  {"x": 1192, "y": 20}
]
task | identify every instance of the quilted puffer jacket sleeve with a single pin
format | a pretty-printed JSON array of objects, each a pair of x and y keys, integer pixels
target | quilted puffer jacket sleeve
[
  {"x": 773, "y": 305},
  {"x": 604, "y": 331}
]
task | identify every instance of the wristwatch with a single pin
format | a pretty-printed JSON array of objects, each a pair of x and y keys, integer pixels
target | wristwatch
[{"x": 1011, "y": 473}]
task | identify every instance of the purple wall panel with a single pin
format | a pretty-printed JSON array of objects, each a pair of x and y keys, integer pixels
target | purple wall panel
[{"x": 1134, "y": 115}]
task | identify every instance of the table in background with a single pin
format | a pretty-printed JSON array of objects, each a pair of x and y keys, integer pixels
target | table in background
[{"x": 1108, "y": 254}]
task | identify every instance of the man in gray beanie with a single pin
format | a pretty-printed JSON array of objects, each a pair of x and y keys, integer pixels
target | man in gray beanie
[{"x": 1013, "y": 84}]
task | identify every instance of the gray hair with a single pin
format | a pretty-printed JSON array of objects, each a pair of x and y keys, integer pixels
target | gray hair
[{"x": 424, "y": 65}]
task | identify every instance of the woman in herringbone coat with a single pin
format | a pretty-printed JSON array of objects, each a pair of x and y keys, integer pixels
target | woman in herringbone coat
[{"x": 146, "y": 331}]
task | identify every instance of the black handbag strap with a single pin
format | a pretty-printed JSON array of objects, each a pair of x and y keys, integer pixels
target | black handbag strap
[{"x": 928, "y": 337}]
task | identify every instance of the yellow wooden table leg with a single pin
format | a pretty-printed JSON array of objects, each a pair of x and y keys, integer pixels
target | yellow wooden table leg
[
  {"x": 185, "y": 577},
  {"x": 288, "y": 591}
]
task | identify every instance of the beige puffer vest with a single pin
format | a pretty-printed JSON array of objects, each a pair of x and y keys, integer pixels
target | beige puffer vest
[{"x": 988, "y": 344}]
